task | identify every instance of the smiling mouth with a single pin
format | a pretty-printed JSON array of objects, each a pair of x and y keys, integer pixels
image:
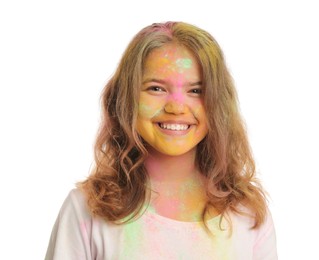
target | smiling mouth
[{"x": 174, "y": 127}]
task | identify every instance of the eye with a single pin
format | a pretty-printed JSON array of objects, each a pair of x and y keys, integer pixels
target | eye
[
  {"x": 156, "y": 89},
  {"x": 196, "y": 91}
]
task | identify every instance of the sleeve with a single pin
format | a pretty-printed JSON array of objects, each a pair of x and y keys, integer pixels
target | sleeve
[
  {"x": 70, "y": 237},
  {"x": 265, "y": 247}
]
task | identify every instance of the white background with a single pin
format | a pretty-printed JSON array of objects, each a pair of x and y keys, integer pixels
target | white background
[{"x": 56, "y": 56}]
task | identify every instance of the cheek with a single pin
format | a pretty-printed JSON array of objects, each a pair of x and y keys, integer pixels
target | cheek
[
  {"x": 199, "y": 113},
  {"x": 149, "y": 107},
  {"x": 148, "y": 111},
  {"x": 198, "y": 110},
  {"x": 201, "y": 116}
]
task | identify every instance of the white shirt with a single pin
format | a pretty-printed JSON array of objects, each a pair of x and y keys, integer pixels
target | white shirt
[{"x": 77, "y": 235}]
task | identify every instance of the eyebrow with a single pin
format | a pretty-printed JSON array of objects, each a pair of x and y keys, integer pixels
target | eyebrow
[{"x": 161, "y": 81}]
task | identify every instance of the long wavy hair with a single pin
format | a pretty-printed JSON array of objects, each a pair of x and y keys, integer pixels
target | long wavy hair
[{"x": 116, "y": 188}]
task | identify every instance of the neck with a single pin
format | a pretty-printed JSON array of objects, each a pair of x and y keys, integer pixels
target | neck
[
  {"x": 178, "y": 188},
  {"x": 168, "y": 169}
]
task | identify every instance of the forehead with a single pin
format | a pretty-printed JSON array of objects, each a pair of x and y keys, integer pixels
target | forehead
[
  {"x": 170, "y": 52},
  {"x": 173, "y": 59}
]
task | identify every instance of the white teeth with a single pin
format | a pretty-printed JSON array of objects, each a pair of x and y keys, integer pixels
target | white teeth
[{"x": 175, "y": 127}]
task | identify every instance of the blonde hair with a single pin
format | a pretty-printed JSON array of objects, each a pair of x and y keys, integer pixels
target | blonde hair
[{"x": 116, "y": 187}]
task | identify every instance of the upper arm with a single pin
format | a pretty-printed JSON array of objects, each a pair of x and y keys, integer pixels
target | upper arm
[
  {"x": 265, "y": 246},
  {"x": 70, "y": 238}
]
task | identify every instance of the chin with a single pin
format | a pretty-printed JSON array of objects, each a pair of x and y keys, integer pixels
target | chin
[{"x": 173, "y": 152}]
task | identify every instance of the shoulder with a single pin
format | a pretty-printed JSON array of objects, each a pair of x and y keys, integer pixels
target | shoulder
[
  {"x": 246, "y": 219},
  {"x": 71, "y": 237},
  {"x": 75, "y": 204},
  {"x": 262, "y": 240},
  {"x": 75, "y": 195}
]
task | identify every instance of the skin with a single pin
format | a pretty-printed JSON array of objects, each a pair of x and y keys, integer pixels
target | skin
[{"x": 171, "y": 95}]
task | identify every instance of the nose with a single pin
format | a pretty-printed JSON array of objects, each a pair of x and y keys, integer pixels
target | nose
[{"x": 175, "y": 107}]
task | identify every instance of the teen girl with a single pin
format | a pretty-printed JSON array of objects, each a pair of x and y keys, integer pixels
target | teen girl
[{"x": 174, "y": 176}]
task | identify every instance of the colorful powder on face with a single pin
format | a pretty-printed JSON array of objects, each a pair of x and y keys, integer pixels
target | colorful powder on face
[
  {"x": 184, "y": 63},
  {"x": 148, "y": 111},
  {"x": 177, "y": 69},
  {"x": 178, "y": 96}
]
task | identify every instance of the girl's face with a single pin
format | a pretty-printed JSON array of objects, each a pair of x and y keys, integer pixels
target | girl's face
[{"x": 171, "y": 116}]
